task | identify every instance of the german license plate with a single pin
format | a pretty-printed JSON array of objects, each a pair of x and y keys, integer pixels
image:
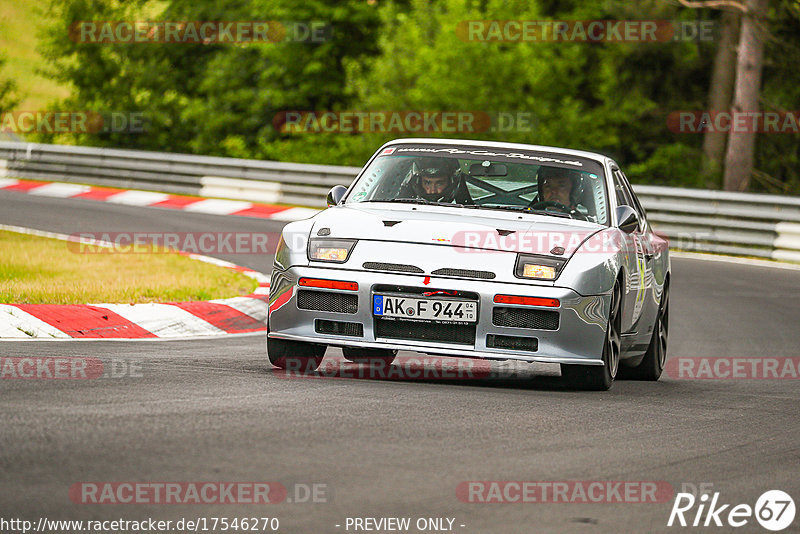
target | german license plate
[{"x": 428, "y": 309}]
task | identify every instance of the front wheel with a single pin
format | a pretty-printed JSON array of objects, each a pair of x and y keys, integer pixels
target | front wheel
[
  {"x": 295, "y": 355},
  {"x": 368, "y": 356},
  {"x": 597, "y": 377}
]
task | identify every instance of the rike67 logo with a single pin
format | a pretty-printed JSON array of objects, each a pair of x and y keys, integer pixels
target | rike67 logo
[{"x": 774, "y": 510}]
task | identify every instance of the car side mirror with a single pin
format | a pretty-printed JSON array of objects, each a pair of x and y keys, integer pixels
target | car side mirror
[
  {"x": 335, "y": 195},
  {"x": 627, "y": 219}
]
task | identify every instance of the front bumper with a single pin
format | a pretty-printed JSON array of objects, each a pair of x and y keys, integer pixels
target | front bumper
[{"x": 578, "y": 339}]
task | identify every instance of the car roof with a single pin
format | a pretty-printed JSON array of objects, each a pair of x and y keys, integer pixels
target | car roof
[{"x": 496, "y": 144}]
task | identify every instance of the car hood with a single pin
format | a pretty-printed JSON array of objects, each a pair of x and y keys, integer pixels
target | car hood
[{"x": 457, "y": 227}]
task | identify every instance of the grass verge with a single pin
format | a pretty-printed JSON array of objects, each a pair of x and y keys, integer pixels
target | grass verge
[
  {"x": 20, "y": 23},
  {"x": 39, "y": 270}
]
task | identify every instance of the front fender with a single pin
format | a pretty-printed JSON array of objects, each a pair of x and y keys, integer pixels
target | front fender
[
  {"x": 293, "y": 245},
  {"x": 594, "y": 266}
]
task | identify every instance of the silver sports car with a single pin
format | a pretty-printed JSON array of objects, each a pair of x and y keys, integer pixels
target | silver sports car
[{"x": 480, "y": 250}]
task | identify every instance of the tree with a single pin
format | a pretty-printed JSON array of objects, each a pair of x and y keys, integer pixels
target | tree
[
  {"x": 212, "y": 98},
  {"x": 749, "y": 65},
  {"x": 720, "y": 92},
  {"x": 747, "y": 87}
]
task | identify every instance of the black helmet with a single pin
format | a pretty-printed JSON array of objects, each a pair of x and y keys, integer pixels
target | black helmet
[
  {"x": 557, "y": 172},
  {"x": 435, "y": 167}
]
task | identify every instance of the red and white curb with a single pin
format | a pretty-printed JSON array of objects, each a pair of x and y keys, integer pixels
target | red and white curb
[
  {"x": 237, "y": 315},
  {"x": 152, "y": 199}
]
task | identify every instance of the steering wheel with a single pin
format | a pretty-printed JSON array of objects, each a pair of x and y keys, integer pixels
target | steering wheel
[{"x": 544, "y": 204}]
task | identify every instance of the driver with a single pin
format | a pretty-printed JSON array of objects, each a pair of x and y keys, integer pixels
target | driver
[
  {"x": 434, "y": 179},
  {"x": 560, "y": 189}
]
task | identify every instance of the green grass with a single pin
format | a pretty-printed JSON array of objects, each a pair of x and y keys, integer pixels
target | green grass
[
  {"x": 39, "y": 270},
  {"x": 20, "y": 23}
]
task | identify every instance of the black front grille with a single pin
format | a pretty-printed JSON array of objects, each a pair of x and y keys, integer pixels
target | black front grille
[
  {"x": 389, "y": 289},
  {"x": 462, "y": 334},
  {"x": 495, "y": 341},
  {"x": 339, "y": 328},
  {"x": 328, "y": 301},
  {"x": 525, "y": 318},
  {"x": 465, "y": 273},
  {"x": 397, "y": 267}
]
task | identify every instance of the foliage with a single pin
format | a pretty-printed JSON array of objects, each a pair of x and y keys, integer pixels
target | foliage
[
  {"x": 8, "y": 98},
  {"x": 614, "y": 98}
]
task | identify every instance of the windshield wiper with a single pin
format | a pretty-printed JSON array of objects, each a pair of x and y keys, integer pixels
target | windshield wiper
[
  {"x": 525, "y": 209},
  {"x": 421, "y": 201},
  {"x": 424, "y": 202}
]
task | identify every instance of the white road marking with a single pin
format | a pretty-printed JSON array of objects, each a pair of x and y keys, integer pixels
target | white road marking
[
  {"x": 15, "y": 323},
  {"x": 59, "y": 190},
  {"x": 164, "y": 320},
  {"x": 215, "y": 206},
  {"x": 255, "y": 308},
  {"x": 137, "y": 198},
  {"x": 294, "y": 214}
]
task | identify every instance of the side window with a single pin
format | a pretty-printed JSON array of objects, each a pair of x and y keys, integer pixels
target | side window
[
  {"x": 625, "y": 195},
  {"x": 637, "y": 204}
]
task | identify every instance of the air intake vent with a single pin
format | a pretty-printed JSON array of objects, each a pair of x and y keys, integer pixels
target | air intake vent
[
  {"x": 525, "y": 318},
  {"x": 494, "y": 341},
  {"x": 420, "y": 331},
  {"x": 327, "y": 301},
  {"x": 465, "y": 273},
  {"x": 397, "y": 267},
  {"x": 339, "y": 328},
  {"x": 411, "y": 291}
]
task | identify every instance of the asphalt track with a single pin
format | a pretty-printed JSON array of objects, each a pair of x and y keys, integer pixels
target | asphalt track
[{"x": 214, "y": 410}]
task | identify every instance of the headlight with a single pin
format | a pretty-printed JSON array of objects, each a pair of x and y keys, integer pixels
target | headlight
[
  {"x": 538, "y": 267},
  {"x": 331, "y": 250}
]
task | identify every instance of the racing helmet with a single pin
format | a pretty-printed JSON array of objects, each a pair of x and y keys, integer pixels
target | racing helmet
[
  {"x": 435, "y": 167},
  {"x": 557, "y": 172}
]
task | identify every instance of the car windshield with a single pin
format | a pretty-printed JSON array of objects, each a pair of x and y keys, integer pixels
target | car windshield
[{"x": 486, "y": 178}]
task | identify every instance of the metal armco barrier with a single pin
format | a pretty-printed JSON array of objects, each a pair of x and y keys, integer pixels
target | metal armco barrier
[
  {"x": 766, "y": 226},
  {"x": 258, "y": 181}
]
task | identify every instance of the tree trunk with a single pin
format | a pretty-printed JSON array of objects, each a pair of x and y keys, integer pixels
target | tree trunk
[
  {"x": 720, "y": 92},
  {"x": 741, "y": 144}
]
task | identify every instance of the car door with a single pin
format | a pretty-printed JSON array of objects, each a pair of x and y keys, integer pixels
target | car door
[
  {"x": 654, "y": 278},
  {"x": 637, "y": 275}
]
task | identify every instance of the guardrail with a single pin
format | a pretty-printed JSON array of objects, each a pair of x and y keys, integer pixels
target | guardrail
[
  {"x": 766, "y": 226},
  {"x": 258, "y": 181}
]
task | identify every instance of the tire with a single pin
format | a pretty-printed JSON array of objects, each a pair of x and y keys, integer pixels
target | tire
[
  {"x": 596, "y": 377},
  {"x": 652, "y": 364},
  {"x": 363, "y": 355},
  {"x": 295, "y": 355}
]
